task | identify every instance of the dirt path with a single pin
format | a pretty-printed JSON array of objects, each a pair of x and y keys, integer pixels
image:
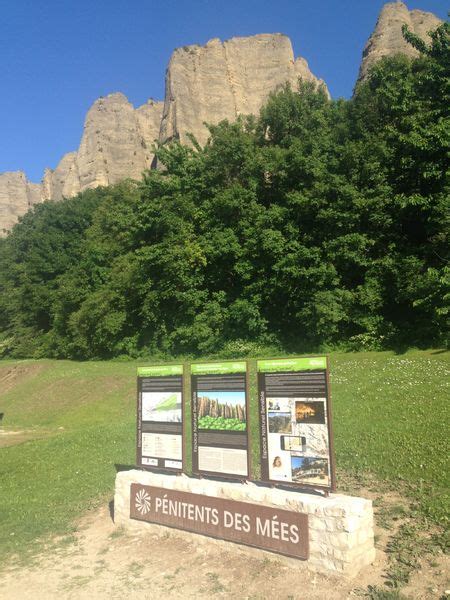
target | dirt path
[{"x": 102, "y": 562}]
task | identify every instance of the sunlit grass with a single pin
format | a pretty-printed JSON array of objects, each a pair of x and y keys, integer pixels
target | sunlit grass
[{"x": 390, "y": 421}]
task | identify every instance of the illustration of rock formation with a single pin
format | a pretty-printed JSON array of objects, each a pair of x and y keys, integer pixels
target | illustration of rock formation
[
  {"x": 316, "y": 439},
  {"x": 208, "y": 407}
]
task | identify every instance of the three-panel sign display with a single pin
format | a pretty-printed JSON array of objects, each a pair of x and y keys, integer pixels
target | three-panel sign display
[{"x": 295, "y": 430}]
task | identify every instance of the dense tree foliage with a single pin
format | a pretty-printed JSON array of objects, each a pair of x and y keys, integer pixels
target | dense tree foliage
[{"x": 319, "y": 224}]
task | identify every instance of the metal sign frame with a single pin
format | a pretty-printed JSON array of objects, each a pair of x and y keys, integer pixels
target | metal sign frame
[
  {"x": 194, "y": 418},
  {"x": 264, "y": 426},
  {"x": 164, "y": 372}
]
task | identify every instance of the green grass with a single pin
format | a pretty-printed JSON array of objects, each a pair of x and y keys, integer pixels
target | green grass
[
  {"x": 391, "y": 419},
  {"x": 390, "y": 422},
  {"x": 88, "y": 412}
]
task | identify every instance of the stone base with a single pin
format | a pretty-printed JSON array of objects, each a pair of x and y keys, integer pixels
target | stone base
[{"x": 340, "y": 527}]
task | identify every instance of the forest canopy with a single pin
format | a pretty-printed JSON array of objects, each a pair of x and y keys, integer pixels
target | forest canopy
[{"x": 319, "y": 224}]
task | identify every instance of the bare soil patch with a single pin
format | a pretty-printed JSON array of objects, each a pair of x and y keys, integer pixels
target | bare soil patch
[
  {"x": 10, "y": 375},
  {"x": 13, "y": 437},
  {"x": 432, "y": 580},
  {"x": 104, "y": 562}
]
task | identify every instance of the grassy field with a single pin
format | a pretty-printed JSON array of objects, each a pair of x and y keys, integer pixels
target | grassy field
[{"x": 73, "y": 425}]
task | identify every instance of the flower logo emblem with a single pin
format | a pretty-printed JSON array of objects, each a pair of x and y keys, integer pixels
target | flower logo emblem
[{"x": 142, "y": 502}]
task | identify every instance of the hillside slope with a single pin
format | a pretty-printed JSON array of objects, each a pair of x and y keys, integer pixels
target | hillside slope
[{"x": 68, "y": 426}]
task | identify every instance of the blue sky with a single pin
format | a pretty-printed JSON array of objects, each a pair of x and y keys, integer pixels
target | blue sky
[{"x": 58, "y": 57}]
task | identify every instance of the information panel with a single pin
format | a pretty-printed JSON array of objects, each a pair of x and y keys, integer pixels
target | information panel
[
  {"x": 160, "y": 417},
  {"x": 219, "y": 418},
  {"x": 295, "y": 422}
]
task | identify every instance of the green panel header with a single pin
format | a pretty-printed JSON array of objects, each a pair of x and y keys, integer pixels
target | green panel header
[
  {"x": 160, "y": 370},
  {"x": 218, "y": 368},
  {"x": 292, "y": 364}
]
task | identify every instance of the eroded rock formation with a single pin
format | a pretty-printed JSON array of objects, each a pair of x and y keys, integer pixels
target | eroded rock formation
[
  {"x": 64, "y": 181},
  {"x": 204, "y": 84},
  {"x": 17, "y": 196},
  {"x": 220, "y": 80},
  {"x": 387, "y": 39},
  {"x": 225, "y": 79},
  {"x": 116, "y": 144}
]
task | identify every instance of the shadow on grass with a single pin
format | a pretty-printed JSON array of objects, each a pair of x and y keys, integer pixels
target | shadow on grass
[{"x": 402, "y": 347}]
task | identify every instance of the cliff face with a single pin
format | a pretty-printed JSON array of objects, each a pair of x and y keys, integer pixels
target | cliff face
[
  {"x": 387, "y": 39},
  {"x": 64, "y": 180},
  {"x": 224, "y": 79},
  {"x": 117, "y": 141},
  {"x": 17, "y": 196},
  {"x": 204, "y": 84},
  {"x": 116, "y": 144},
  {"x": 220, "y": 80}
]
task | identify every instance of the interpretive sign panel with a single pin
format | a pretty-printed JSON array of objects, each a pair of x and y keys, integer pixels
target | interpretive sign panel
[
  {"x": 295, "y": 422},
  {"x": 282, "y": 531},
  {"x": 160, "y": 417},
  {"x": 219, "y": 418}
]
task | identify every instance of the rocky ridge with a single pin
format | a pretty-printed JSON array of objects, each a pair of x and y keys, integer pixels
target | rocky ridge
[
  {"x": 387, "y": 39},
  {"x": 116, "y": 144},
  {"x": 203, "y": 84},
  {"x": 220, "y": 80}
]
